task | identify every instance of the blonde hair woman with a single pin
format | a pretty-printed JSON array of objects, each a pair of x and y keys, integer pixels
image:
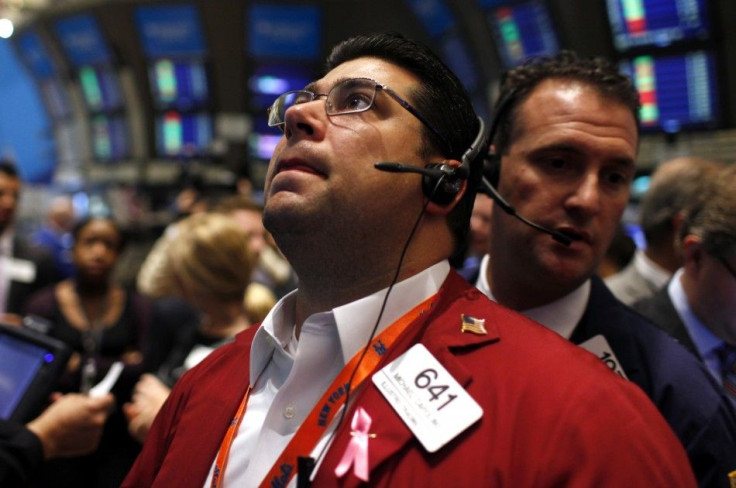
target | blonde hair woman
[{"x": 209, "y": 265}]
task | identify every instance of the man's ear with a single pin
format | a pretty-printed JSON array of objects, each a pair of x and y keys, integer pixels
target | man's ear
[
  {"x": 434, "y": 208},
  {"x": 692, "y": 251}
]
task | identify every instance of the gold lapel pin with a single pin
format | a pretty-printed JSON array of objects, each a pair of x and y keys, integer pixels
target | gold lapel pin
[{"x": 473, "y": 325}]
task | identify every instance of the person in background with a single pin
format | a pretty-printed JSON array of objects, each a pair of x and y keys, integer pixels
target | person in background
[
  {"x": 698, "y": 306},
  {"x": 55, "y": 234},
  {"x": 674, "y": 185},
  {"x": 618, "y": 255},
  {"x": 371, "y": 251},
  {"x": 70, "y": 426},
  {"x": 102, "y": 323},
  {"x": 480, "y": 228},
  {"x": 567, "y": 144},
  {"x": 209, "y": 266},
  {"x": 272, "y": 271},
  {"x": 24, "y": 267}
]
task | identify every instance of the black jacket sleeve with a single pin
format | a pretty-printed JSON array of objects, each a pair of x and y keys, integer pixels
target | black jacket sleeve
[{"x": 21, "y": 454}]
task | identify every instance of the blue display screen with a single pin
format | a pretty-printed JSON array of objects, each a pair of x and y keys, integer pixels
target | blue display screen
[
  {"x": 280, "y": 31},
  {"x": 170, "y": 30},
  {"x": 523, "y": 31},
  {"x": 457, "y": 57},
  {"x": 34, "y": 53},
  {"x": 19, "y": 363},
  {"x": 82, "y": 41},
  {"x": 436, "y": 17},
  {"x": 656, "y": 22},
  {"x": 676, "y": 91}
]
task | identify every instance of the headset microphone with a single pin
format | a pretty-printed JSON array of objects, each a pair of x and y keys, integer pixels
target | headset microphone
[
  {"x": 441, "y": 182},
  {"x": 489, "y": 190}
]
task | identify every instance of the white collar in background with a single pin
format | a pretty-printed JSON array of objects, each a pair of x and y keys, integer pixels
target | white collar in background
[
  {"x": 561, "y": 316},
  {"x": 650, "y": 270}
]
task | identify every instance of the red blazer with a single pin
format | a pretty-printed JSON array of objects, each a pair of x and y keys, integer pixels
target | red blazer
[{"x": 553, "y": 414}]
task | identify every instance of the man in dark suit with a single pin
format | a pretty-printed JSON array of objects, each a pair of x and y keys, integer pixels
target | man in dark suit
[
  {"x": 674, "y": 185},
  {"x": 566, "y": 146},
  {"x": 371, "y": 251},
  {"x": 24, "y": 267},
  {"x": 698, "y": 306}
]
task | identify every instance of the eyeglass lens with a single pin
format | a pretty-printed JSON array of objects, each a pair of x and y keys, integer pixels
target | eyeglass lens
[{"x": 349, "y": 96}]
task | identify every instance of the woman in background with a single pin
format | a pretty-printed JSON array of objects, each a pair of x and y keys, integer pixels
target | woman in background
[
  {"x": 209, "y": 265},
  {"x": 102, "y": 323}
]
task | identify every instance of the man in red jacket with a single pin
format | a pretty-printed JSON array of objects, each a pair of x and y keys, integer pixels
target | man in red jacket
[{"x": 442, "y": 386}]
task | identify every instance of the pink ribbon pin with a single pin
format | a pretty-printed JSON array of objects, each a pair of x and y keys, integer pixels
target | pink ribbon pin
[{"x": 356, "y": 452}]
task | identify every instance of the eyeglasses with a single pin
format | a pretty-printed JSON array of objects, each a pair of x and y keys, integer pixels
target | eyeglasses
[
  {"x": 350, "y": 96},
  {"x": 727, "y": 266}
]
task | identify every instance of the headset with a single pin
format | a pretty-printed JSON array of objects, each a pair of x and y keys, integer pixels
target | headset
[
  {"x": 441, "y": 182},
  {"x": 492, "y": 163}
]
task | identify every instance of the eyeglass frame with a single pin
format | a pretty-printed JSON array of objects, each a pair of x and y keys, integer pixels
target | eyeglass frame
[{"x": 376, "y": 87}]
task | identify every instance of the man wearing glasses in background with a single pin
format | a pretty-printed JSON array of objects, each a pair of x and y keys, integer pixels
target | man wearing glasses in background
[
  {"x": 698, "y": 306},
  {"x": 479, "y": 396}
]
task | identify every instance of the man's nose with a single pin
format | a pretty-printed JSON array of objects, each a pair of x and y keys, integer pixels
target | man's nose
[
  {"x": 307, "y": 119},
  {"x": 587, "y": 194}
]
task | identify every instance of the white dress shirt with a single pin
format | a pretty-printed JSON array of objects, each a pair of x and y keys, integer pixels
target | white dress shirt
[
  {"x": 561, "y": 316},
  {"x": 290, "y": 375}
]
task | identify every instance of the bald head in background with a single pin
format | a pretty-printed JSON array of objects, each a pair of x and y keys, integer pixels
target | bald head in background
[{"x": 673, "y": 186}]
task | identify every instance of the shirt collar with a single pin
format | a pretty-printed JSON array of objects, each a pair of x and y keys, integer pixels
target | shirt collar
[
  {"x": 650, "y": 270},
  {"x": 705, "y": 341},
  {"x": 354, "y": 321},
  {"x": 561, "y": 316}
]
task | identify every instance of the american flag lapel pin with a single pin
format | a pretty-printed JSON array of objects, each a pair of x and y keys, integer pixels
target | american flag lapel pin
[{"x": 473, "y": 325}]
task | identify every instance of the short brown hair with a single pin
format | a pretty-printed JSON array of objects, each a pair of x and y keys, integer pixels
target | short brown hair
[{"x": 712, "y": 217}]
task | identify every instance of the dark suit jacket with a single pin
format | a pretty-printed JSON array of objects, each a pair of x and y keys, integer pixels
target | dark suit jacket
[
  {"x": 659, "y": 309},
  {"x": 46, "y": 273},
  {"x": 675, "y": 380},
  {"x": 21, "y": 454},
  {"x": 553, "y": 414}
]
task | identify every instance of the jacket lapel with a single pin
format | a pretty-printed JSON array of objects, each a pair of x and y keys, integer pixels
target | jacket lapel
[{"x": 441, "y": 333}]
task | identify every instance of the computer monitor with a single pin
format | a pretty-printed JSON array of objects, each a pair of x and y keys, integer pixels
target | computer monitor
[
  {"x": 30, "y": 364},
  {"x": 677, "y": 91},
  {"x": 100, "y": 88},
  {"x": 523, "y": 30},
  {"x": 638, "y": 23},
  {"x": 183, "y": 135},
  {"x": 110, "y": 141},
  {"x": 179, "y": 84}
]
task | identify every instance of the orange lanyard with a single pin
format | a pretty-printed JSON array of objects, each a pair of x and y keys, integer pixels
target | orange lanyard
[{"x": 311, "y": 430}]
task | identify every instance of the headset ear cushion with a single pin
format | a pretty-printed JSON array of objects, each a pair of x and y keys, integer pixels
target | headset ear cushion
[
  {"x": 447, "y": 190},
  {"x": 492, "y": 168}
]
